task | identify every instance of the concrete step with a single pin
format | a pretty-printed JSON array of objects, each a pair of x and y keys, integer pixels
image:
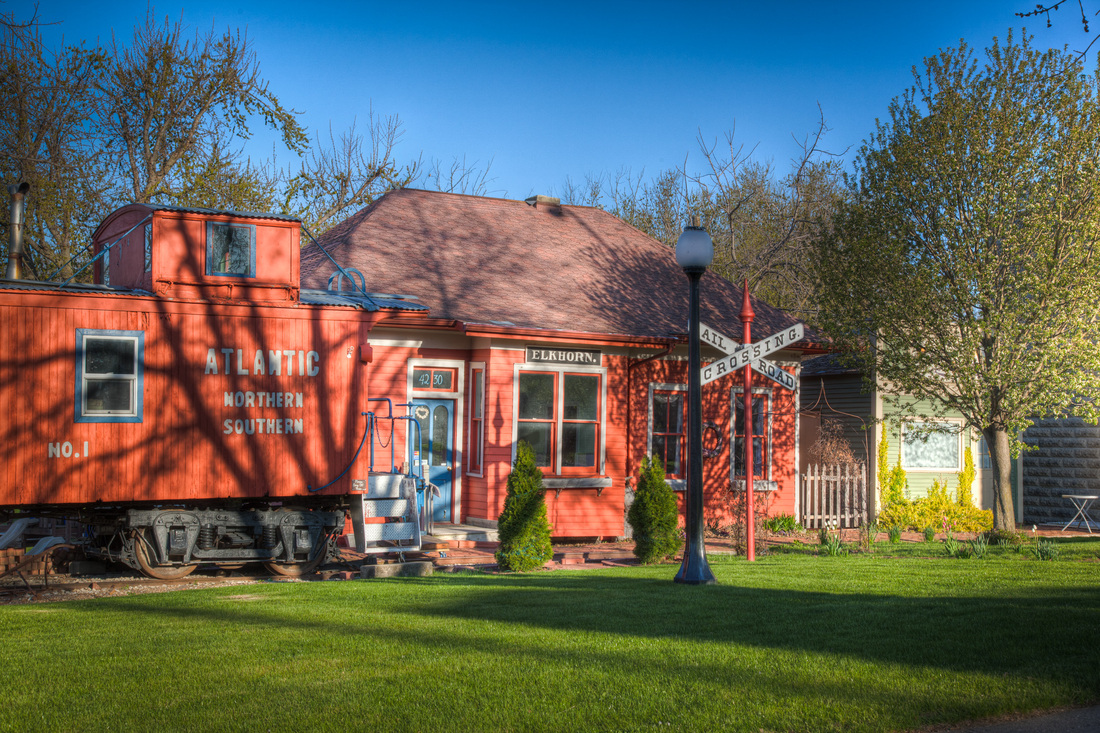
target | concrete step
[{"x": 463, "y": 533}]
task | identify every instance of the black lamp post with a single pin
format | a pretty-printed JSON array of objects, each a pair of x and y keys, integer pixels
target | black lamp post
[{"x": 694, "y": 253}]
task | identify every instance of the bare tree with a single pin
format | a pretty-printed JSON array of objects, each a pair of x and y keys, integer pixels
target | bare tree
[
  {"x": 458, "y": 177},
  {"x": 588, "y": 193},
  {"x": 348, "y": 173},
  {"x": 762, "y": 225}
]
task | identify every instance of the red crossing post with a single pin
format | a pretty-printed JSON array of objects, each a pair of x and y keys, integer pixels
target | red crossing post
[{"x": 747, "y": 316}]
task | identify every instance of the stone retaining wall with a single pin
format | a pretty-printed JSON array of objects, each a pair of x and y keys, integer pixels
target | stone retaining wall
[{"x": 1065, "y": 460}]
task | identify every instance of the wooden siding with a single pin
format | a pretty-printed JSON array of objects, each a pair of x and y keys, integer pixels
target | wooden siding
[
  {"x": 717, "y": 401},
  {"x": 841, "y": 398},
  {"x": 588, "y": 511},
  {"x": 179, "y": 256},
  {"x": 187, "y": 445}
]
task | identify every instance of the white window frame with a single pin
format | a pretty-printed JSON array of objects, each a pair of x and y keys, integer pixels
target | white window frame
[
  {"x": 560, "y": 370},
  {"x": 655, "y": 387},
  {"x": 137, "y": 380}
]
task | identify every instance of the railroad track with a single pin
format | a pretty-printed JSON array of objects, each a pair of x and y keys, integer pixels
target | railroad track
[{"x": 56, "y": 587}]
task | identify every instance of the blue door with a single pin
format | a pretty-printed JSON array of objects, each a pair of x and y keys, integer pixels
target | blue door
[{"x": 436, "y": 451}]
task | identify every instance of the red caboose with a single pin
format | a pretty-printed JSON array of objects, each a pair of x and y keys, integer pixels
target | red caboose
[{"x": 196, "y": 405}]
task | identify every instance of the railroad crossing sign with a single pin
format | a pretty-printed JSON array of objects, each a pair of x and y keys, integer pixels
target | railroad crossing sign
[{"x": 753, "y": 355}]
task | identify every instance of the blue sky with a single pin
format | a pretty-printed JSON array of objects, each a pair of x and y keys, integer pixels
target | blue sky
[{"x": 549, "y": 91}]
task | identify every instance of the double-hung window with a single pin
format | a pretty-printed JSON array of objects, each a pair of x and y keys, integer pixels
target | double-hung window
[
  {"x": 109, "y": 372},
  {"x": 230, "y": 249},
  {"x": 760, "y": 427},
  {"x": 668, "y": 425},
  {"x": 559, "y": 413}
]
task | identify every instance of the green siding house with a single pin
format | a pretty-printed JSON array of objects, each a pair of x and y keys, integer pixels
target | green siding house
[{"x": 929, "y": 448}]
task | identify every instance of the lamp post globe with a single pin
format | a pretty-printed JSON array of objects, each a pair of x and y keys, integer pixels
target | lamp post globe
[
  {"x": 694, "y": 248},
  {"x": 694, "y": 253}
]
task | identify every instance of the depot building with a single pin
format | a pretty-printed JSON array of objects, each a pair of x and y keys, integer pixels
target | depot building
[{"x": 564, "y": 327}]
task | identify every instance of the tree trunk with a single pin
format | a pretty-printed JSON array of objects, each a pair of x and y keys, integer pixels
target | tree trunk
[{"x": 1000, "y": 457}]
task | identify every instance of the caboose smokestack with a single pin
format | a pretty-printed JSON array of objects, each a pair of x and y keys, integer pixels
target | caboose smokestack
[{"x": 15, "y": 231}]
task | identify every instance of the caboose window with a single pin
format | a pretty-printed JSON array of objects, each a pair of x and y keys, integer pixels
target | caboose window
[
  {"x": 230, "y": 249},
  {"x": 109, "y": 370}
]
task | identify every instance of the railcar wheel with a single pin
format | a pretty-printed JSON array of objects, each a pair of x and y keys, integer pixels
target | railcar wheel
[
  {"x": 158, "y": 572},
  {"x": 295, "y": 569}
]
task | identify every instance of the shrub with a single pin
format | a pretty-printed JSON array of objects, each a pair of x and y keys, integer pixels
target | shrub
[
  {"x": 895, "y": 534},
  {"x": 893, "y": 484},
  {"x": 1005, "y": 537},
  {"x": 934, "y": 509},
  {"x": 832, "y": 546},
  {"x": 783, "y": 523},
  {"x": 1046, "y": 549},
  {"x": 523, "y": 525},
  {"x": 929, "y": 533},
  {"x": 653, "y": 516},
  {"x": 964, "y": 493}
]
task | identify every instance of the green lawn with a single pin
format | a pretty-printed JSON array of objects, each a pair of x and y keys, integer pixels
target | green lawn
[{"x": 792, "y": 642}]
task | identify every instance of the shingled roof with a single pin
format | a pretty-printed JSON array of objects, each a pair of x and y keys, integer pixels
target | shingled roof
[{"x": 496, "y": 261}]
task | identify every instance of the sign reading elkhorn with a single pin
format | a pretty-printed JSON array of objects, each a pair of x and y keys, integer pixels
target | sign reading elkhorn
[
  {"x": 752, "y": 355},
  {"x": 580, "y": 357}
]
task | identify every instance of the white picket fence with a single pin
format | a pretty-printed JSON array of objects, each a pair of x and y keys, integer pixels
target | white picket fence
[{"x": 834, "y": 496}]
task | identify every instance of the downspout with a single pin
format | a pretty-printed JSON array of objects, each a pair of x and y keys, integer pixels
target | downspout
[{"x": 15, "y": 231}]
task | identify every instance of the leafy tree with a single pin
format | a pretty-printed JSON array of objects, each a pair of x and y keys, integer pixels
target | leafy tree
[
  {"x": 964, "y": 270},
  {"x": 165, "y": 98},
  {"x": 653, "y": 516},
  {"x": 523, "y": 527},
  {"x": 45, "y": 140}
]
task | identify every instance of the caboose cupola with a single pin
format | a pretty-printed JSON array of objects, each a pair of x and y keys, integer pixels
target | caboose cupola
[{"x": 194, "y": 253}]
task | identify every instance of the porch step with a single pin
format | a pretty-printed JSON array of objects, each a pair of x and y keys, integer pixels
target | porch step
[{"x": 462, "y": 533}]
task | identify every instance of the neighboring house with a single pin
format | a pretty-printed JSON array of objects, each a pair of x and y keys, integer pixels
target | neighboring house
[
  {"x": 930, "y": 448},
  {"x": 562, "y": 326}
]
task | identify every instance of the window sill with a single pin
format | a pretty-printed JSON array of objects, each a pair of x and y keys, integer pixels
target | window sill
[
  {"x": 598, "y": 483},
  {"x": 757, "y": 485}
]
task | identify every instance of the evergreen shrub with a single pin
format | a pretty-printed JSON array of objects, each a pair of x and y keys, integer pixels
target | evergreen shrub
[
  {"x": 523, "y": 526},
  {"x": 653, "y": 515},
  {"x": 965, "y": 493}
]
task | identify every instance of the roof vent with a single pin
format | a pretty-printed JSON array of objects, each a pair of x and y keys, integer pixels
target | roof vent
[{"x": 545, "y": 202}]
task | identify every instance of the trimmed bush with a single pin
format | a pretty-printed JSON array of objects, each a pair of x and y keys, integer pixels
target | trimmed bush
[
  {"x": 523, "y": 526},
  {"x": 653, "y": 515}
]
